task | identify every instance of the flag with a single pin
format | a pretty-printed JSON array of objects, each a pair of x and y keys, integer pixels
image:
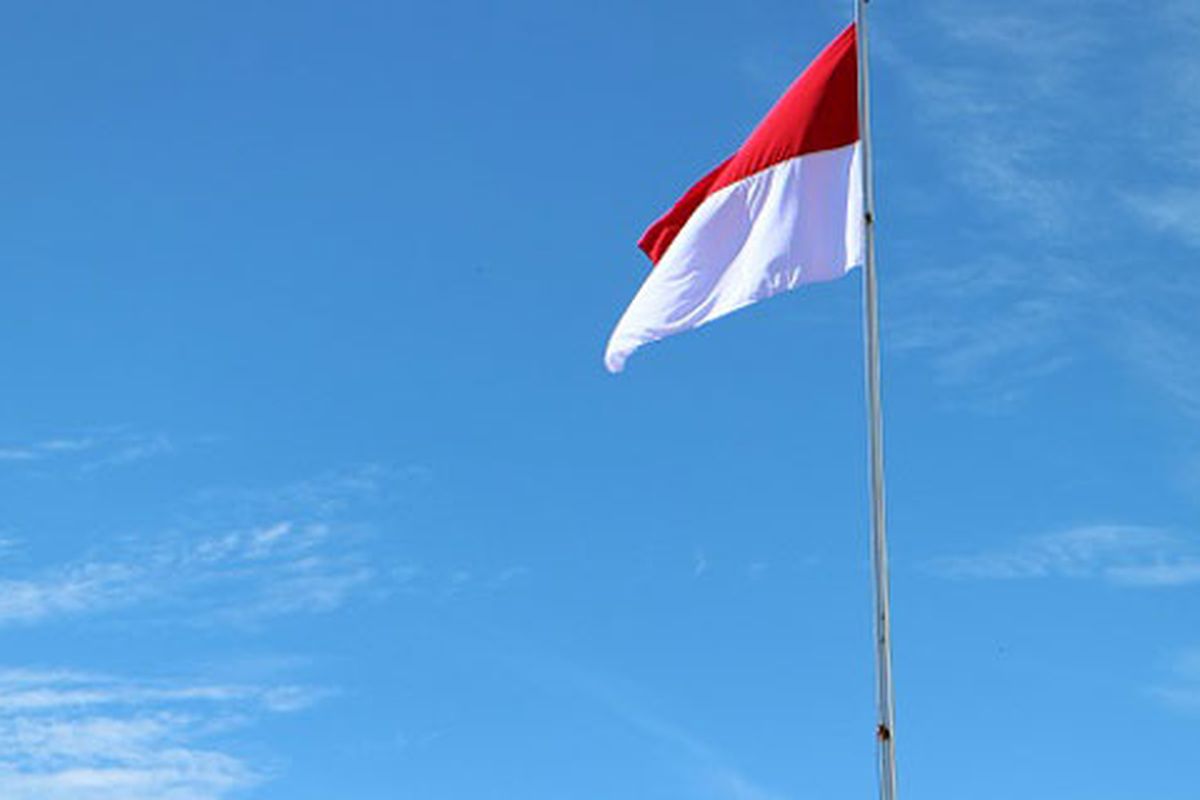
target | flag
[{"x": 785, "y": 210}]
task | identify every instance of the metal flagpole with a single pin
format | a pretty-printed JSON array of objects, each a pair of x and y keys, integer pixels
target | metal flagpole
[{"x": 885, "y": 701}]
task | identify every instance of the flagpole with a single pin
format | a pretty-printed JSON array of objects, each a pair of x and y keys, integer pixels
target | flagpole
[{"x": 884, "y": 697}]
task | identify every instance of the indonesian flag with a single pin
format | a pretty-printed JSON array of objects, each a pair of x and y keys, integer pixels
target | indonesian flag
[{"x": 786, "y": 209}]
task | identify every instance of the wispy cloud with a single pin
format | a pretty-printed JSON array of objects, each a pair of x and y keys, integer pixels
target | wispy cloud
[
  {"x": 995, "y": 71},
  {"x": 329, "y": 494},
  {"x": 69, "y": 590},
  {"x": 1050, "y": 195},
  {"x": 994, "y": 97},
  {"x": 67, "y": 735},
  {"x": 1001, "y": 325},
  {"x": 292, "y": 549},
  {"x": 1160, "y": 335},
  {"x": 281, "y": 568},
  {"x": 24, "y": 690},
  {"x": 47, "y": 448},
  {"x": 319, "y": 561},
  {"x": 1169, "y": 126},
  {"x": 445, "y": 584},
  {"x": 1159, "y": 340},
  {"x": 1181, "y": 691},
  {"x": 88, "y": 451},
  {"x": 248, "y": 555},
  {"x": 1118, "y": 554},
  {"x": 1174, "y": 211},
  {"x": 130, "y": 449}
]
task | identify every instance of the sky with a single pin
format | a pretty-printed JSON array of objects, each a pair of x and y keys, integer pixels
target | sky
[{"x": 313, "y": 485}]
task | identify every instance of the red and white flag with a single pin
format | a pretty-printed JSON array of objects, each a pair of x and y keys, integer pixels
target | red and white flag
[{"x": 785, "y": 210}]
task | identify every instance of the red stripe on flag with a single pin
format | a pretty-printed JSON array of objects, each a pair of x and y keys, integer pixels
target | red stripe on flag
[{"x": 818, "y": 112}]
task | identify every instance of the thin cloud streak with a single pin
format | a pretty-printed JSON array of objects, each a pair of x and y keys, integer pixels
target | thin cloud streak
[
  {"x": 91, "y": 451},
  {"x": 24, "y": 690},
  {"x": 329, "y": 494},
  {"x": 720, "y": 778},
  {"x": 1122, "y": 555},
  {"x": 704, "y": 766}
]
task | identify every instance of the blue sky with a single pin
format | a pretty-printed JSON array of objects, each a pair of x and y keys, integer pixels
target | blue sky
[{"x": 314, "y": 485}]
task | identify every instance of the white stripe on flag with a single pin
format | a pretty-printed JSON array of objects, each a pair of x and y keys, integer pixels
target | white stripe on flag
[{"x": 798, "y": 222}]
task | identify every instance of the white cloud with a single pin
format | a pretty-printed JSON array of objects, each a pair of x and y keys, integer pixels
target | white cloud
[
  {"x": 67, "y": 735},
  {"x": 1118, "y": 554}
]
